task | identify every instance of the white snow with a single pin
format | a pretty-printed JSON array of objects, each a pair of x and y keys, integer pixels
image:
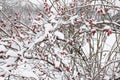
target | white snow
[
  {"x": 52, "y": 17},
  {"x": 59, "y": 34},
  {"x": 93, "y": 29},
  {"x": 107, "y": 27},
  {"x": 11, "y": 53},
  {"x": 25, "y": 70},
  {"x": 2, "y": 78},
  {"x": 84, "y": 28},
  {"x": 73, "y": 18},
  {"x": 36, "y": 2},
  {"x": 23, "y": 3},
  {"x": 117, "y": 3},
  {"x": 42, "y": 44},
  {"x": 48, "y": 27},
  {"x": 57, "y": 63},
  {"x": 2, "y": 48},
  {"x": 26, "y": 73},
  {"x": 109, "y": 42},
  {"x": 0, "y": 7}
]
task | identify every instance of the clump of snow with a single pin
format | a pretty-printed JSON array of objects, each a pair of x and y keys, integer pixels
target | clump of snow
[
  {"x": 83, "y": 28},
  {"x": 2, "y": 48},
  {"x": 48, "y": 27},
  {"x": 1, "y": 78},
  {"x": 93, "y": 29},
  {"x": 57, "y": 63},
  {"x": 59, "y": 34},
  {"x": 95, "y": 22},
  {"x": 26, "y": 73},
  {"x": 0, "y": 7},
  {"x": 36, "y": 2},
  {"x": 54, "y": 21},
  {"x": 109, "y": 42},
  {"x": 11, "y": 53},
  {"x": 25, "y": 70},
  {"x": 107, "y": 27},
  {"x": 107, "y": 77},
  {"x": 42, "y": 44},
  {"x": 117, "y": 3},
  {"x": 66, "y": 61},
  {"x": 112, "y": 12},
  {"x": 73, "y": 18},
  {"x": 23, "y": 3},
  {"x": 107, "y": 21}
]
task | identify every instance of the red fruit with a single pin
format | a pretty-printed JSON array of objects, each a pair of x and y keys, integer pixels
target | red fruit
[
  {"x": 96, "y": 8},
  {"x": 8, "y": 66},
  {"x": 109, "y": 32},
  {"x": 90, "y": 22},
  {"x": 56, "y": 0},
  {"x": 1, "y": 52},
  {"x": 1, "y": 21},
  {"x": 71, "y": 42},
  {"x": 45, "y": 0},
  {"x": 42, "y": 15},
  {"x": 28, "y": 42},
  {"x": 93, "y": 32},
  {"x": 15, "y": 19},
  {"x": 101, "y": 11},
  {"x": 3, "y": 75},
  {"x": 9, "y": 16},
  {"x": 15, "y": 23},
  {"x": 4, "y": 25},
  {"x": 63, "y": 53},
  {"x": 106, "y": 10},
  {"x": 57, "y": 68},
  {"x": 41, "y": 79},
  {"x": 10, "y": 43},
  {"x": 98, "y": 11},
  {"x": 105, "y": 30},
  {"x": 47, "y": 9},
  {"x": 37, "y": 19},
  {"x": 68, "y": 69},
  {"x": 8, "y": 57},
  {"x": 72, "y": 5},
  {"x": 103, "y": 14}
]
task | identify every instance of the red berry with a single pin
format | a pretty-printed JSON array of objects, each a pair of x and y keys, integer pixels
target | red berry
[
  {"x": 1, "y": 52},
  {"x": 57, "y": 68},
  {"x": 8, "y": 66},
  {"x": 93, "y": 32},
  {"x": 3, "y": 75},
  {"x": 105, "y": 30},
  {"x": 106, "y": 9},
  {"x": 71, "y": 42},
  {"x": 109, "y": 32},
  {"x": 68, "y": 69},
  {"x": 1, "y": 21}
]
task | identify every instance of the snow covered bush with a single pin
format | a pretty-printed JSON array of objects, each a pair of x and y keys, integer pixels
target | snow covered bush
[{"x": 59, "y": 39}]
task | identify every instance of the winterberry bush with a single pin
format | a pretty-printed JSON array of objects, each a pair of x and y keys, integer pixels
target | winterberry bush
[{"x": 59, "y": 39}]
